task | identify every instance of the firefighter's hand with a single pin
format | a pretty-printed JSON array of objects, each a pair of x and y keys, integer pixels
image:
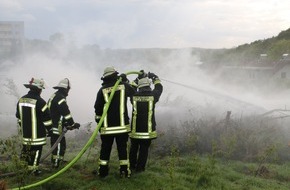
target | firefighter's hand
[
  {"x": 76, "y": 126},
  {"x": 152, "y": 76},
  {"x": 72, "y": 127},
  {"x": 124, "y": 77}
]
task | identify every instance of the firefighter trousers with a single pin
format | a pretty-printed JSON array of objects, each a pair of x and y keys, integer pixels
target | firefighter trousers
[
  {"x": 59, "y": 151},
  {"x": 106, "y": 148},
  {"x": 31, "y": 154},
  {"x": 139, "y": 153}
]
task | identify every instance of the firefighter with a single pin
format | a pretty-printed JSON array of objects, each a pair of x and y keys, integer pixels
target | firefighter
[
  {"x": 143, "y": 124},
  {"x": 35, "y": 122},
  {"x": 116, "y": 122},
  {"x": 61, "y": 117}
]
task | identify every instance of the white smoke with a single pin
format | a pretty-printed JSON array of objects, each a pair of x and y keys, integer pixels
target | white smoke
[{"x": 188, "y": 91}]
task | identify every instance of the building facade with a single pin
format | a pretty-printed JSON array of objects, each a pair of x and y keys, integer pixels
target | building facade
[
  {"x": 259, "y": 75},
  {"x": 11, "y": 38}
]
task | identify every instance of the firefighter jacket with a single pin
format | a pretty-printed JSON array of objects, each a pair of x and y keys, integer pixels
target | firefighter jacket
[
  {"x": 116, "y": 120},
  {"x": 33, "y": 118},
  {"x": 60, "y": 113},
  {"x": 143, "y": 125}
]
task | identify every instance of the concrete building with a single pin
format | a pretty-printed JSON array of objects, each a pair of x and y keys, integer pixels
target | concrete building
[{"x": 11, "y": 38}]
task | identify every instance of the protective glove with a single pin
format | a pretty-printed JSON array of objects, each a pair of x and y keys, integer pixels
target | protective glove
[
  {"x": 74, "y": 126},
  {"x": 124, "y": 77},
  {"x": 152, "y": 76}
]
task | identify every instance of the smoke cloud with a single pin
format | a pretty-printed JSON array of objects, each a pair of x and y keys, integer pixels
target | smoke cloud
[{"x": 188, "y": 92}]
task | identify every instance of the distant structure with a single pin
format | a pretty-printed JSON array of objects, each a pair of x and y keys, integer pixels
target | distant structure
[
  {"x": 262, "y": 73},
  {"x": 11, "y": 38}
]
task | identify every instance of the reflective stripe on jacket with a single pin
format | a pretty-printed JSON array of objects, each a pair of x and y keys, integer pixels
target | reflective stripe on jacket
[
  {"x": 60, "y": 112},
  {"x": 116, "y": 120},
  {"x": 34, "y": 117},
  {"x": 120, "y": 98},
  {"x": 143, "y": 125}
]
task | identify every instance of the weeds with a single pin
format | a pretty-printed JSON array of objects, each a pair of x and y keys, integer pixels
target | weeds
[
  {"x": 183, "y": 157},
  {"x": 3, "y": 185},
  {"x": 10, "y": 148},
  {"x": 171, "y": 166},
  {"x": 239, "y": 139},
  {"x": 269, "y": 154}
]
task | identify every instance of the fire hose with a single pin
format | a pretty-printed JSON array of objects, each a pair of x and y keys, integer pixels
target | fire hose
[
  {"x": 10, "y": 174},
  {"x": 87, "y": 145},
  {"x": 58, "y": 140}
]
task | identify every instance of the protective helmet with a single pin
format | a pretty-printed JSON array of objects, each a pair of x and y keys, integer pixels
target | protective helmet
[
  {"x": 109, "y": 71},
  {"x": 35, "y": 84},
  {"x": 64, "y": 83},
  {"x": 143, "y": 82}
]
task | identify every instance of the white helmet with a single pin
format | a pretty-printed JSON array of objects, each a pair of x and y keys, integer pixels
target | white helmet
[
  {"x": 64, "y": 83},
  {"x": 35, "y": 83},
  {"x": 143, "y": 82},
  {"x": 109, "y": 71}
]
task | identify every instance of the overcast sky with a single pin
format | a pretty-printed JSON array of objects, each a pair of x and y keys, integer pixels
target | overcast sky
[{"x": 151, "y": 23}]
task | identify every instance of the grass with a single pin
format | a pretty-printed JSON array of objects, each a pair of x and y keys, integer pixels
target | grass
[
  {"x": 205, "y": 155},
  {"x": 170, "y": 172}
]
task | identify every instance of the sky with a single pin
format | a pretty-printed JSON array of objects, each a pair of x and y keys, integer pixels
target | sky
[{"x": 123, "y": 24}]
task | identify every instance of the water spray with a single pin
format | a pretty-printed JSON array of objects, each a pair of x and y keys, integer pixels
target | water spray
[{"x": 214, "y": 94}]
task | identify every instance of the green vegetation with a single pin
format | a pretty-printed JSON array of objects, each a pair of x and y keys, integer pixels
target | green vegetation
[
  {"x": 244, "y": 153},
  {"x": 249, "y": 54},
  {"x": 173, "y": 172},
  {"x": 212, "y": 59}
]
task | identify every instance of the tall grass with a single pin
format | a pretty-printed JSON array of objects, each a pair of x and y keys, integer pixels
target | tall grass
[
  {"x": 208, "y": 153},
  {"x": 247, "y": 139}
]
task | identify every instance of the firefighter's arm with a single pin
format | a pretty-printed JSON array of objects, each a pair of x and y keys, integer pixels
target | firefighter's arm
[
  {"x": 124, "y": 78},
  {"x": 19, "y": 126},
  {"x": 158, "y": 88},
  {"x": 99, "y": 104},
  {"x": 46, "y": 118},
  {"x": 65, "y": 112},
  {"x": 18, "y": 120}
]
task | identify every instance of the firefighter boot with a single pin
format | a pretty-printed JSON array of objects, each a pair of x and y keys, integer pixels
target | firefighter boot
[
  {"x": 125, "y": 172},
  {"x": 55, "y": 163},
  {"x": 103, "y": 171}
]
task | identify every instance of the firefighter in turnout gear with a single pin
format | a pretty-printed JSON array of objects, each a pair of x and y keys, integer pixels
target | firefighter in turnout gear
[
  {"x": 61, "y": 117},
  {"x": 35, "y": 122},
  {"x": 116, "y": 122},
  {"x": 143, "y": 124}
]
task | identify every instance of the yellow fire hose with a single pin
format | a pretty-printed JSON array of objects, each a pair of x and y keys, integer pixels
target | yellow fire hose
[{"x": 90, "y": 141}]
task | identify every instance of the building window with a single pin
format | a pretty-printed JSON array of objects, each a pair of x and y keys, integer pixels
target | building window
[{"x": 283, "y": 75}]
